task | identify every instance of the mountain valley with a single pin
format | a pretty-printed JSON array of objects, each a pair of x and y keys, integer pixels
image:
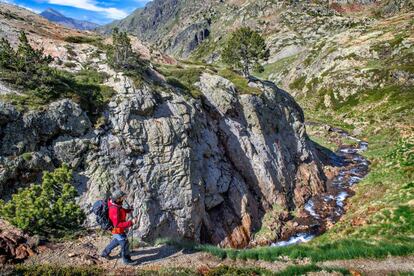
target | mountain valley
[{"x": 302, "y": 167}]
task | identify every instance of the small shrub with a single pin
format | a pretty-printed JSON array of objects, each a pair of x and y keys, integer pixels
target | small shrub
[
  {"x": 183, "y": 78},
  {"x": 27, "y": 156},
  {"x": 80, "y": 39},
  {"x": 241, "y": 83},
  {"x": 69, "y": 64},
  {"x": 229, "y": 270},
  {"x": 174, "y": 82},
  {"x": 49, "y": 208},
  {"x": 298, "y": 83}
]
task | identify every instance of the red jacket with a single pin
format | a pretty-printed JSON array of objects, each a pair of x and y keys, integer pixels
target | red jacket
[{"x": 118, "y": 215}]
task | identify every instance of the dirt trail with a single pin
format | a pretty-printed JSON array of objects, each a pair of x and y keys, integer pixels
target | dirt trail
[{"x": 86, "y": 251}]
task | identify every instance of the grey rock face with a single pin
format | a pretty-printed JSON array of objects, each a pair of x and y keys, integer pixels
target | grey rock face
[
  {"x": 189, "y": 39},
  {"x": 158, "y": 23},
  {"x": 205, "y": 170},
  {"x": 28, "y": 132}
]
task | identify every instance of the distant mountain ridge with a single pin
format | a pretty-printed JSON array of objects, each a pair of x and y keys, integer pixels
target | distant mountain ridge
[
  {"x": 179, "y": 27},
  {"x": 57, "y": 17}
]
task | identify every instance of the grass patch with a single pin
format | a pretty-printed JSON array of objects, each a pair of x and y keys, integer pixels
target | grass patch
[
  {"x": 276, "y": 67},
  {"x": 317, "y": 250},
  {"x": 35, "y": 270},
  {"x": 84, "y": 87},
  {"x": 183, "y": 78},
  {"x": 69, "y": 64},
  {"x": 81, "y": 39},
  {"x": 338, "y": 250},
  {"x": 270, "y": 224},
  {"x": 205, "y": 49},
  {"x": 298, "y": 83},
  {"x": 229, "y": 270},
  {"x": 173, "y": 271},
  {"x": 96, "y": 41},
  {"x": 304, "y": 269},
  {"x": 241, "y": 83}
]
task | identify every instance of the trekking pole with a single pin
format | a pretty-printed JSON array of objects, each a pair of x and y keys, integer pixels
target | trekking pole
[{"x": 132, "y": 228}]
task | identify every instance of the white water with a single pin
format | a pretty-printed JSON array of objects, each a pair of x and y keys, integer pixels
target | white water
[
  {"x": 354, "y": 179},
  {"x": 298, "y": 238},
  {"x": 339, "y": 181},
  {"x": 340, "y": 198},
  {"x": 310, "y": 207}
]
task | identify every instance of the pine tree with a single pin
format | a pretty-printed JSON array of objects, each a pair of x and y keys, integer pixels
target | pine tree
[
  {"x": 29, "y": 57},
  {"x": 49, "y": 208},
  {"x": 244, "y": 50},
  {"x": 7, "y": 55},
  {"x": 31, "y": 64},
  {"x": 120, "y": 54}
]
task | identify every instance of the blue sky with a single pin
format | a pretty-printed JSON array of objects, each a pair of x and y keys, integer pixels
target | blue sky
[{"x": 100, "y": 12}]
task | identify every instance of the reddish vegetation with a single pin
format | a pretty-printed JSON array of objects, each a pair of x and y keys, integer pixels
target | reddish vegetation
[
  {"x": 347, "y": 8},
  {"x": 351, "y": 8}
]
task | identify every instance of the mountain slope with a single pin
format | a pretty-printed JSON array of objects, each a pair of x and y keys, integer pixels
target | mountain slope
[
  {"x": 212, "y": 157},
  {"x": 176, "y": 26},
  {"x": 179, "y": 26},
  {"x": 57, "y": 17}
]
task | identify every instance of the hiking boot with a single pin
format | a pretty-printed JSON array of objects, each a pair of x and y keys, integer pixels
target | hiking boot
[
  {"x": 128, "y": 261},
  {"x": 106, "y": 256}
]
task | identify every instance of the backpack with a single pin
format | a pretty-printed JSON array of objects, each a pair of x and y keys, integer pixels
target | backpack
[{"x": 101, "y": 210}]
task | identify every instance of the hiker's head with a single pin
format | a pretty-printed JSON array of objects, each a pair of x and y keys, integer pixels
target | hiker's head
[{"x": 118, "y": 196}]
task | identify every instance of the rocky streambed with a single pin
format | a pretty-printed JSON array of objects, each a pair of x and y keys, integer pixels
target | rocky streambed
[{"x": 324, "y": 210}]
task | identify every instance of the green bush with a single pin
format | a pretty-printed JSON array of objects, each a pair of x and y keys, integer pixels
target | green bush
[
  {"x": 183, "y": 78},
  {"x": 27, "y": 156},
  {"x": 48, "y": 208},
  {"x": 241, "y": 84},
  {"x": 30, "y": 71},
  {"x": 298, "y": 83},
  {"x": 70, "y": 64},
  {"x": 81, "y": 39}
]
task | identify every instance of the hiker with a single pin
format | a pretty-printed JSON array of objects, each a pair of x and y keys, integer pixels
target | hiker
[{"x": 117, "y": 215}]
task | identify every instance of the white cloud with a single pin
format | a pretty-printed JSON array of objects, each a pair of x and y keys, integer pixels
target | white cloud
[
  {"x": 21, "y": 6},
  {"x": 90, "y": 5},
  {"x": 30, "y": 9}
]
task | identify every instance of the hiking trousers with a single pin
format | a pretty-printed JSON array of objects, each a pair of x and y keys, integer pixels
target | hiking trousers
[{"x": 118, "y": 240}]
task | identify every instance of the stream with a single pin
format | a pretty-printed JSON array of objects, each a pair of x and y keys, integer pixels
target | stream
[{"x": 354, "y": 167}]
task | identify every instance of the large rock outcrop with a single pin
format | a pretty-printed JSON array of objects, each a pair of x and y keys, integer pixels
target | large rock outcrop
[{"x": 203, "y": 169}]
